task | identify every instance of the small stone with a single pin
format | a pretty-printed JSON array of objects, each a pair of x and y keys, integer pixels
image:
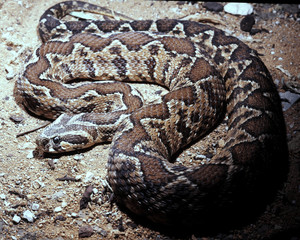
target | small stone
[
  {"x": 247, "y": 23},
  {"x": 2, "y": 196},
  {"x": 213, "y": 6},
  {"x": 85, "y": 231},
  {"x": 16, "y": 118},
  {"x": 221, "y": 143},
  {"x": 30, "y": 155},
  {"x": 58, "y": 209},
  {"x": 58, "y": 195},
  {"x": 78, "y": 157},
  {"x": 88, "y": 177},
  {"x": 103, "y": 233},
  {"x": 95, "y": 190},
  {"x": 238, "y": 8},
  {"x": 38, "y": 184},
  {"x": 10, "y": 72},
  {"x": 16, "y": 219},
  {"x": 78, "y": 177},
  {"x": 35, "y": 206},
  {"x": 74, "y": 215},
  {"x": 60, "y": 218},
  {"x": 200, "y": 156},
  {"x": 64, "y": 204},
  {"x": 29, "y": 216},
  {"x": 288, "y": 99}
]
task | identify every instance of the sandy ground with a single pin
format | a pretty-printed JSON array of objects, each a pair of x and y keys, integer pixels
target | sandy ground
[{"x": 28, "y": 184}]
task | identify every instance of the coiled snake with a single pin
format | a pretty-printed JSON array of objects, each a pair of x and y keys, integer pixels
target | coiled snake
[{"x": 207, "y": 74}]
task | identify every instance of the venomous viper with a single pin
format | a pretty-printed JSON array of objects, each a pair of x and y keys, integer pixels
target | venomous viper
[{"x": 208, "y": 74}]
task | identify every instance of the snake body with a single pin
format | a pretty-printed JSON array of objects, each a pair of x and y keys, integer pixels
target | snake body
[{"x": 208, "y": 74}]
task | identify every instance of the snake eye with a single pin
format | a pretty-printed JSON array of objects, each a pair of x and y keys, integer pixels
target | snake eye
[{"x": 56, "y": 140}]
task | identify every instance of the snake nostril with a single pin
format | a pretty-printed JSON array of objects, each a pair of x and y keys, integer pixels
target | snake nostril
[{"x": 44, "y": 142}]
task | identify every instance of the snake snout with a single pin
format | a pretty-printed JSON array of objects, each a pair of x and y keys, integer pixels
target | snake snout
[{"x": 51, "y": 145}]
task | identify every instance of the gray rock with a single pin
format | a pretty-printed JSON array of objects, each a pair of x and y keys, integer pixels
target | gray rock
[
  {"x": 85, "y": 231},
  {"x": 288, "y": 99},
  {"x": 213, "y": 6}
]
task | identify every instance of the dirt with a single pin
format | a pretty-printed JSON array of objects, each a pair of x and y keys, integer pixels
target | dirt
[{"x": 29, "y": 184}]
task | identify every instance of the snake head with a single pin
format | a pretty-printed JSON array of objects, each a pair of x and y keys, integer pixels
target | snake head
[
  {"x": 49, "y": 144},
  {"x": 63, "y": 135}
]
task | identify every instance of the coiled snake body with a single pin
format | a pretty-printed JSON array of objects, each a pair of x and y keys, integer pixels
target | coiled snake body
[{"x": 207, "y": 74}]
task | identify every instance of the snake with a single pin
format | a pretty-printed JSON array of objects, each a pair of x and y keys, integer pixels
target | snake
[{"x": 81, "y": 78}]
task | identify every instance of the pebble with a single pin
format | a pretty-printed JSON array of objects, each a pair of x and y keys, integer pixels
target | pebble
[
  {"x": 16, "y": 118},
  {"x": 213, "y": 6},
  {"x": 88, "y": 177},
  {"x": 58, "y": 195},
  {"x": 85, "y": 231},
  {"x": 221, "y": 143},
  {"x": 286, "y": 72},
  {"x": 30, "y": 155},
  {"x": 289, "y": 99},
  {"x": 247, "y": 23},
  {"x": 95, "y": 191},
  {"x": 74, "y": 215},
  {"x": 29, "y": 216},
  {"x": 35, "y": 206},
  {"x": 64, "y": 204},
  {"x": 2, "y": 196},
  {"x": 238, "y": 8},
  {"x": 58, "y": 209},
  {"x": 200, "y": 156},
  {"x": 78, "y": 157},
  {"x": 38, "y": 184},
  {"x": 60, "y": 218},
  {"x": 16, "y": 219},
  {"x": 10, "y": 72}
]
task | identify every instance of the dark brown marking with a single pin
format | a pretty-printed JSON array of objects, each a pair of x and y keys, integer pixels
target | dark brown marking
[
  {"x": 89, "y": 64},
  {"x": 75, "y": 139},
  {"x": 165, "y": 25},
  {"x": 178, "y": 45},
  {"x": 185, "y": 94},
  {"x": 251, "y": 152},
  {"x": 151, "y": 63},
  {"x": 108, "y": 26},
  {"x": 77, "y": 26},
  {"x": 115, "y": 50},
  {"x": 120, "y": 64},
  {"x": 141, "y": 25},
  {"x": 154, "y": 50},
  {"x": 56, "y": 59},
  {"x": 94, "y": 42},
  {"x": 132, "y": 40},
  {"x": 202, "y": 69},
  {"x": 154, "y": 171},
  {"x": 38, "y": 92},
  {"x": 193, "y": 28},
  {"x": 88, "y": 108},
  {"x": 209, "y": 176},
  {"x": 257, "y": 126}
]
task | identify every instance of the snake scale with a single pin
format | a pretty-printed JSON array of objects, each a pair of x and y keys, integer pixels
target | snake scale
[{"x": 81, "y": 76}]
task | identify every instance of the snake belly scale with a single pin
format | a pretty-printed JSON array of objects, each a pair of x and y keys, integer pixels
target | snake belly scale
[{"x": 208, "y": 74}]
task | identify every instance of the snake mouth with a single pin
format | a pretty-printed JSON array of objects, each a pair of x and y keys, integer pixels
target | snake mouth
[{"x": 49, "y": 145}]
